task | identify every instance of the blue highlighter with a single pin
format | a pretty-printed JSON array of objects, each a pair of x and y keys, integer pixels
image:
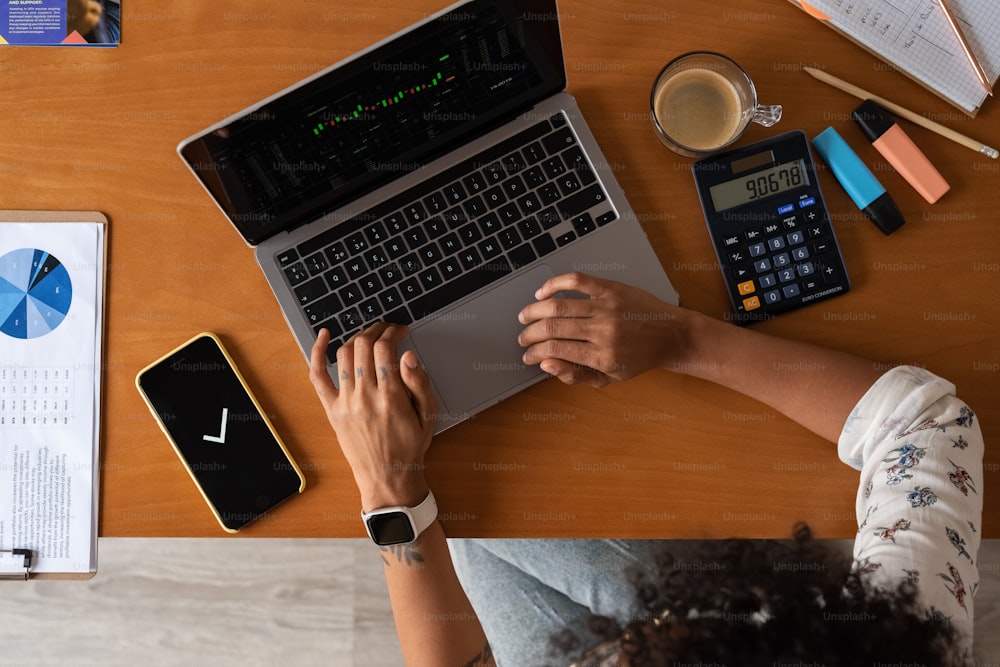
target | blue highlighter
[{"x": 862, "y": 186}]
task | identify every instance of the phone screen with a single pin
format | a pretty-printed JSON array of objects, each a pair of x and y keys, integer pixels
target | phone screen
[{"x": 227, "y": 444}]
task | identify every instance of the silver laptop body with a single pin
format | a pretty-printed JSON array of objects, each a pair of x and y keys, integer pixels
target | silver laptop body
[{"x": 550, "y": 202}]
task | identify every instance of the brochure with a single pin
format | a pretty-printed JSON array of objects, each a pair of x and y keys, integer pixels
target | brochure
[{"x": 60, "y": 22}]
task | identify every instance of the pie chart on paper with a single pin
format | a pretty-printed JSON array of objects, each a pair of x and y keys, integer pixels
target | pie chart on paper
[{"x": 35, "y": 293}]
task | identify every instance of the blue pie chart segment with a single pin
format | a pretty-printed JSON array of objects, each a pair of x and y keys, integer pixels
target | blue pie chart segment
[{"x": 35, "y": 293}]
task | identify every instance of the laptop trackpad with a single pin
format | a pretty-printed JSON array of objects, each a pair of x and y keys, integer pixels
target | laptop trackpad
[{"x": 471, "y": 351}]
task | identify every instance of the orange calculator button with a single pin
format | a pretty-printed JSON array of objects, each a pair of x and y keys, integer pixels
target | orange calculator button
[
  {"x": 753, "y": 303},
  {"x": 746, "y": 287}
]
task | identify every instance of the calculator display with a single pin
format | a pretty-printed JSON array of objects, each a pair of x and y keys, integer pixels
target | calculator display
[{"x": 759, "y": 185}]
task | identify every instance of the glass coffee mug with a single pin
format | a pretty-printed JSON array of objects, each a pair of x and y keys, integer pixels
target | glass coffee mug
[{"x": 703, "y": 101}]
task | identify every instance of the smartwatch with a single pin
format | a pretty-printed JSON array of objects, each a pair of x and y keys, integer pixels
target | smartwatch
[{"x": 400, "y": 525}]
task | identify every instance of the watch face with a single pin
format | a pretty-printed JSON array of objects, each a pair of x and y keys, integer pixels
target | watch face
[{"x": 391, "y": 528}]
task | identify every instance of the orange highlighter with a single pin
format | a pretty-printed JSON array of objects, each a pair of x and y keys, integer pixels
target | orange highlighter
[{"x": 897, "y": 147}]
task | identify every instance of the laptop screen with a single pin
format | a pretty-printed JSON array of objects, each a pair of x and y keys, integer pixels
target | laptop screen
[{"x": 355, "y": 127}]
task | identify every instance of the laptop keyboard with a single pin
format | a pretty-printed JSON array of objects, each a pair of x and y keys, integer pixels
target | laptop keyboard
[{"x": 459, "y": 231}]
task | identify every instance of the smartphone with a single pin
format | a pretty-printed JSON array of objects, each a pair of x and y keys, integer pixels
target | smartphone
[{"x": 219, "y": 431}]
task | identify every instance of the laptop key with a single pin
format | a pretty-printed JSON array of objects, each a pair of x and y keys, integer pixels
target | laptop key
[
  {"x": 489, "y": 248},
  {"x": 296, "y": 273},
  {"x": 553, "y": 167},
  {"x": 522, "y": 255},
  {"x": 430, "y": 278},
  {"x": 399, "y": 316},
  {"x": 490, "y": 224},
  {"x": 581, "y": 201},
  {"x": 336, "y": 253},
  {"x": 605, "y": 218},
  {"x": 435, "y": 227},
  {"x": 375, "y": 233},
  {"x": 287, "y": 257},
  {"x": 558, "y": 140},
  {"x": 336, "y": 277},
  {"x": 370, "y": 310},
  {"x": 543, "y": 244},
  {"x": 370, "y": 284},
  {"x": 450, "y": 243},
  {"x": 322, "y": 310},
  {"x": 529, "y": 227},
  {"x": 509, "y": 238},
  {"x": 534, "y": 177},
  {"x": 450, "y": 268},
  {"x": 455, "y": 193},
  {"x": 462, "y": 286},
  {"x": 415, "y": 212},
  {"x": 563, "y": 239},
  {"x": 474, "y": 182},
  {"x": 470, "y": 258},
  {"x": 415, "y": 237},
  {"x": 316, "y": 264},
  {"x": 311, "y": 290},
  {"x": 356, "y": 243},
  {"x": 350, "y": 295},
  {"x": 410, "y": 288},
  {"x": 435, "y": 203},
  {"x": 533, "y": 152},
  {"x": 584, "y": 224}
]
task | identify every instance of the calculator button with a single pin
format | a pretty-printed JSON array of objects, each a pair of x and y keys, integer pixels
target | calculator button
[
  {"x": 786, "y": 275},
  {"x": 796, "y": 237},
  {"x": 776, "y": 243},
  {"x": 803, "y": 203},
  {"x": 831, "y": 275},
  {"x": 799, "y": 254},
  {"x": 782, "y": 260},
  {"x": 772, "y": 297},
  {"x": 814, "y": 231},
  {"x": 746, "y": 287},
  {"x": 790, "y": 222},
  {"x": 767, "y": 280},
  {"x": 771, "y": 228},
  {"x": 762, "y": 265},
  {"x": 753, "y": 234},
  {"x": 786, "y": 208},
  {"x": 811, "y": 216},
  {"x": 731, "y": 241},
  {"x": 821, "y": 247},
  {"x": 757, "y": 249},
  {"x": 790, "y": 290},
  {"x": 752, "y": 303},
  {"x": 737, "y": 256},
  {"x": 741, "y": 273}
]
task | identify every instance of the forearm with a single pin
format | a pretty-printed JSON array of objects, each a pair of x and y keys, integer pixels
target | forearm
[
  {"x": 815, "y": 386},
  {"x": 434, "y": 620}
]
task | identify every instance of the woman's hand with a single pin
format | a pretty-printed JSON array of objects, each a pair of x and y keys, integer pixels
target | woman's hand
[
  {"x": 383, "y": 413},
  {"x": 618, "y": 332}
]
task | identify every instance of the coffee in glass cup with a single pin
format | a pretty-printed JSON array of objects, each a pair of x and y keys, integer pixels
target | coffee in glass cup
[{"x": 702, "y": 102}]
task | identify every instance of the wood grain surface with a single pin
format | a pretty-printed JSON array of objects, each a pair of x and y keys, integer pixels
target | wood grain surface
[{"x": 661, "y": 456}]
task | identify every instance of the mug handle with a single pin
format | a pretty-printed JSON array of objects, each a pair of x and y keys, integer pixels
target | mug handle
[{"x": 766, "y": 115}]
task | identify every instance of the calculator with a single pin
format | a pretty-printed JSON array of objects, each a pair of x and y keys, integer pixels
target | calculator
[{"x": 770, "y": 227}]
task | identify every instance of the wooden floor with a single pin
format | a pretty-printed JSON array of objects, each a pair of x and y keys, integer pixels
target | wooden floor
[{"x": 252, "y": 602}]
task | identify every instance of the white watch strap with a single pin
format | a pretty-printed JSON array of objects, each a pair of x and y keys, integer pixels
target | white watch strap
[{"x": 424, "y": 514}]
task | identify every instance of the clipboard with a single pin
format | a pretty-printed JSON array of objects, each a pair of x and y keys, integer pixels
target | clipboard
[{"x": 56, "y": 261}]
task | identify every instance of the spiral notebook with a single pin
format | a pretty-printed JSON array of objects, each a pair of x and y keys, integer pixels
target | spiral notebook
[{"x": 914, "y": 37}]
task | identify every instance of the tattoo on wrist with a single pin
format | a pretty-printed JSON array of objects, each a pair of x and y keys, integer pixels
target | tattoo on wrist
[
  {"x": 484, "y": 659},
  {"x": 408, "y": 553}
]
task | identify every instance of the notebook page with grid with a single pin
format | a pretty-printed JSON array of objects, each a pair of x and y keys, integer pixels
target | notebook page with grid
[{"x": 914, "y": 37}]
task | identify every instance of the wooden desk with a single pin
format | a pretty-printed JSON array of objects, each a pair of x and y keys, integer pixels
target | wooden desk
[{"x": 661, "y": 456}]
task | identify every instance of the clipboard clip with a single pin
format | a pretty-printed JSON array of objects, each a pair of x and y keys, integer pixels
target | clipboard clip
[{"x": 15, "y": 564}]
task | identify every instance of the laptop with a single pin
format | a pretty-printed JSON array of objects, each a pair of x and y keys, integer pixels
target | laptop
[{"x": 435, "y": 179}]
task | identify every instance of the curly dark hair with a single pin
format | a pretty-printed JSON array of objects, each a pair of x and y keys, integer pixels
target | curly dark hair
[{"x": 767, "y": 603}]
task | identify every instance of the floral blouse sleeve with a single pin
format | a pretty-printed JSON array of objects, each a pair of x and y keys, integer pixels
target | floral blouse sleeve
[{"x": 920, "y": 503}]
